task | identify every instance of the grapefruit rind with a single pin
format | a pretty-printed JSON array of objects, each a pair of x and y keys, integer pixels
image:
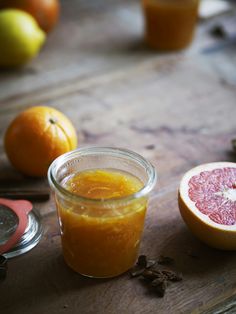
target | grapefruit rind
[{"x": 214, "y": 234}]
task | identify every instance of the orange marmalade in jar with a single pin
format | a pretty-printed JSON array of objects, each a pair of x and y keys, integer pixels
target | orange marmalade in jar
[
  {"x": 101, "y": 210},
  {"x": 170, "y": 24}
]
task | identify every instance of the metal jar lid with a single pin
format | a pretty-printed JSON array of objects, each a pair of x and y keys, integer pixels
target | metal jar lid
[{"x": 20, "y": 227}]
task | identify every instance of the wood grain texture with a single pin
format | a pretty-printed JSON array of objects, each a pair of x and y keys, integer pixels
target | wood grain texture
[{"x": 178, "y": 110}]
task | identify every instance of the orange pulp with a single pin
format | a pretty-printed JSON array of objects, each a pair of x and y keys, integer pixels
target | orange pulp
[
  {"x": 170, "y": 24},
  {"x": 101, "y": 241}
]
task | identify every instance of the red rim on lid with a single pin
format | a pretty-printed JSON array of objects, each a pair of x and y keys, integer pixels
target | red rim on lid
[{"x": 13, "y": 225}]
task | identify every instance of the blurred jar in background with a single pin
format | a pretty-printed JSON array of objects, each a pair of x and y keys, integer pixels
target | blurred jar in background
[{"x": 170, "y": 24}]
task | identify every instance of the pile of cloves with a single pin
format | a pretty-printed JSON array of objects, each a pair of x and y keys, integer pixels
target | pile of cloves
[{"x": 156, "y": 278}]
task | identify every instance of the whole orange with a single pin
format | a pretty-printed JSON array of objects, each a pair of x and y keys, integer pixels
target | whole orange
[
  {"x": 46, "y": 12},
  {"x": 36, "y": 137}
]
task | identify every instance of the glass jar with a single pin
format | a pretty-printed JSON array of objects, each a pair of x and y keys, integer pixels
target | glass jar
[
  {"x": 170, "y": 24},
  {"x": 101, "y": 237}
]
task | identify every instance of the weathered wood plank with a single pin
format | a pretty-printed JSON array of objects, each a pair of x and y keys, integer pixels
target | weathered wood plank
[
  {"x": 114, "y": 41},
  {"x": 178, "y": 110}
]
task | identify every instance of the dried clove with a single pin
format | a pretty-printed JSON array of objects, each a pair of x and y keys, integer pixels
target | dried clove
[
  {"x": 157, "y": 278},
  {"x": 172, "y": 276},
  {"x": 142, "y": 264},
  {"x": 157, "y": 282},
  {"x": 151, "y": 263},
  {"x": 151, "y": 274},
  {"x": 160, "y": 287},
  {"x": 142, "y": 261},
  {"x": 136, "y": 271}
]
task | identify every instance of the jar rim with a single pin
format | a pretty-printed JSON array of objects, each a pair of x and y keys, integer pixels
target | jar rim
[{"x": 113, "y": 151}]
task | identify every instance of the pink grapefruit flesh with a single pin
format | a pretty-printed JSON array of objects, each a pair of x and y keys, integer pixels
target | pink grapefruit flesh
[{"x": 207, "y": 203}]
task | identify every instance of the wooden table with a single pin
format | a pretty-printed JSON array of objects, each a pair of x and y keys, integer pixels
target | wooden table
[{"x": 177, "y": 109}]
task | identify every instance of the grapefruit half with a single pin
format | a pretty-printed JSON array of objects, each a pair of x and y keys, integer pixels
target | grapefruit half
[{"x": 207, "y": 203}]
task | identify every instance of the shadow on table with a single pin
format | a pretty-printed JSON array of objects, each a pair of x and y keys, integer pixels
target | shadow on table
[
  {"x": 10, "y": 73},
  {"x": 133, "y": 47},
  {"x": 42, "y": 277},
  {"x": 192, "y": 257},
  {"x": 231, "y": 155}
]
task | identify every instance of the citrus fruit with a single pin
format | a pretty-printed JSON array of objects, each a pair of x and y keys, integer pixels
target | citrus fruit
[
  {"x": 36, "y": 137},
  {"x": 207, "y": 203},
  {"x": 45, "y": 12},
  {"x": 20, "y": 38}
]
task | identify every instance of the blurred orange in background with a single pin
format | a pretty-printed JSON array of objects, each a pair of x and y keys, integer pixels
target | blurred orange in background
[{"x": 46, "y": 12}]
